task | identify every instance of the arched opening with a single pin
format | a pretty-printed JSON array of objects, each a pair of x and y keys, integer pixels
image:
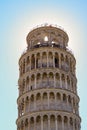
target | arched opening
[
  {"x": 63, "y": 81},
  {"x": 38, "y": 101},
  {"x": 45, "y": 100},
  {"x": 50, "y": 57},
  {"x": 52, "y": 99},
  {"x": 59, "y": 122},
  {"x": 27, "y": 83},
  {"x": 44, "y": 59},
  {"x": 51, "y": 79},
  {"x": 32, "y": 123},
  {"x": 45, "y": 122},
  {"x": 38, "y": 62},
  {"x": 28, "y": 60},
  {"x": 32, "y": 62},
  {"x": 52, "y": 122},
  {"x": 24, "y": 66},
  {"x": 66, "y": 63},
  {"x": 27, "y": 104},
  {"x": 44, "y": 80},
  {"x": 57, "y": 78},
  {"x": 45, "y": 38},
  {"x": 22, "y": 125},
  {"x": 71, "y": 123},
  {"x": 26, "y": 124},
  {"x": 32, "y": 102},
  {"x": 68, "y": 82},
  {"x": 65, "y": 123},
  {"x": 38, "y": 123},
  {"x": 64, "y": 98},
  {"x": 56, "y": 60},
  {"x": 33, "y": 81},
  {"x": 39, "y": 82}
]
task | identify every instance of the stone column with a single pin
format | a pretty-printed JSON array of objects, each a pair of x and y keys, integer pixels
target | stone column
[
  {"x": 48, "y": 123},
  {"x": 41, "y": 123},
  {"x": 35, "y": 102},
  {"x": 35, "y": 61},
  {"x": 60, "y": 81},
  {"x": 41, "y": 59},
  {"x": 48, "y": 99},
  {"x": 47, "y": 60},
  {"x": 53, "y": 60},
  {"x": 35, "y": 81},
  {"x": 59, "y": 61},
  {"x": 62, "y": 124},
  {"x": 73, "y": 125},
  {"x": 24, "y": 106},
  {"x": 30, "y": 83},
  {"x": 66, "y": 82},
  {"x": 30, "y": 63},
  {"x": 28, "y": 125},
  {"x": 54, "y": 81},
  {"x": 56, "y": 124},
  {"x": 34, "y": 123},
  {"x": 68, "y": 124}
]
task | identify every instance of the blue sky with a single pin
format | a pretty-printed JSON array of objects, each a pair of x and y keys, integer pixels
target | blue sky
[{"x": 17, "y": 18}]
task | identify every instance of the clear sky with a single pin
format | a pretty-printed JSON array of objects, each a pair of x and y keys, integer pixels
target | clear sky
[{"x": 17, "y": 17}]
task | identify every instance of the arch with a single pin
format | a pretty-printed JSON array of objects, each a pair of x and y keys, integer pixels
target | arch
[
  {"x": 38, "y": 97},
  {"x": 68, "y": 82},
  {"x": 44, "y": 79},
  {"x": 32, "y": 61},
  {"x": 38, "y": 80},
  {"x": 56, "y": 60},
  {"x": 22, "y": 125},
  {"x": 38, "y": 62},
  {"x": 33, "y": 81},
  {"x": 23, "y": 85},
  {"x": 69, "y": 99},
  {"x": 27, "y": 80},
  {"x": 46, "y": 38},
  {"x": 32, "y": 102},
  {"x": 65, "y": 122},
  {"x": 44, "y": 96},
  {"x": 32, "y": 123},
  {"x": 45, "y": 100},
  {"x": 63, "y": 81},
  {"x": 50, "y": 57},
  {"x": 51, "y": 99},
  {"x": 51, "y": 79},
  {"x": 71, "y": 123},
  {"x": 52, "y": 96},
  {"x": 65, "y": 119},
  {"x": 59, "y": 121},
  {"x": 27, "y": 104},
  {"x": 23, "y": 66},
  {"x": 58, "y": 95},
  {"x": 64, "y": 98},
  {"x": 44, "y": 59},
  {"x": 26, "y": 122},
  {"x": 52, "y": 122},
  {"x": 38, "y": 123},
  {"x": 57, "y": 78},
  {"x": 45, "y": 122},
  {"x": 28, "y": 60}
]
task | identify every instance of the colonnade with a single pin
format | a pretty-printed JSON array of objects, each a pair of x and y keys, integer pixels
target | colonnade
[
  {"x": 47, "y": 59},
  {"x": 47, "y": 79},
  {"x": 48, "y": 100},
  {"x": 49, "y": 122}
]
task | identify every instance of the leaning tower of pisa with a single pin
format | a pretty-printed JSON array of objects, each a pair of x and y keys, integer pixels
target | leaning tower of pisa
[{"x": 48, "y": 97}]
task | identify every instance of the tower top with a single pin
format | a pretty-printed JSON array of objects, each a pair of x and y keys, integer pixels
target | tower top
[{"x": 48, "y": 35}]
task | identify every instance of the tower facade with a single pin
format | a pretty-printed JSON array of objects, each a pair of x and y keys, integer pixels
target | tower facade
[{"x": 48, "y": 97}]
